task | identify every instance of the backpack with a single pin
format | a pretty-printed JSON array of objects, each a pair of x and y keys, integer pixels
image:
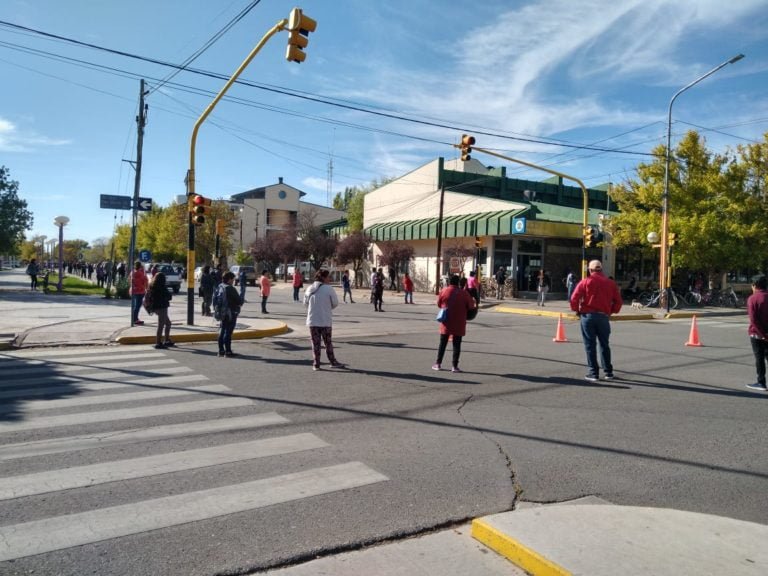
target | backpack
[
  {"x": 220, "y": 304},
  {"x": 149, "y": 302}
]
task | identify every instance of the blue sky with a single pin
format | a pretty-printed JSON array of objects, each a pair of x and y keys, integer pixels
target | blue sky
[{"x": 595, "y": 72}]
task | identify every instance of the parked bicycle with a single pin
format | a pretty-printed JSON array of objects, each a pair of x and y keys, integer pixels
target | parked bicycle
[
  {"x": 657, "y": 298},
  {"x": 729, "y": 298}
]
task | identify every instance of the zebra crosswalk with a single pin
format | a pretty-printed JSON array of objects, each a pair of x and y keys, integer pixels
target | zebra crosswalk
[{"x": 70, "y": 402}]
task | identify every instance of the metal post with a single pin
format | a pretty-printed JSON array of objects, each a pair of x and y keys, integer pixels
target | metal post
[{"x": 439, "y": 239}]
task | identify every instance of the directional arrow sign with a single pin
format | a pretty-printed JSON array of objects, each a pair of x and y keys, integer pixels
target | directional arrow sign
[{"x": 144, "y": 205}]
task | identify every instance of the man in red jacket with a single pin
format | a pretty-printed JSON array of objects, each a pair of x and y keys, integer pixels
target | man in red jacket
[
  {"x": 594, "y": 300},
  {"x": 757, "y": 307}
]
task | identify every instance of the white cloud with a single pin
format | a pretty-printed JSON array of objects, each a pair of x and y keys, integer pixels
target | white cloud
[
  {"x": 315, "y": 183},
  {"x": 13, "y": 141}
]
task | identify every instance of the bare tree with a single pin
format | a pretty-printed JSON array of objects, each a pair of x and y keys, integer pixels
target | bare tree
[
  {"x": 314, "y": 242},
  {"x": 396, "y": 255},
  {"x": 288, "y": 248},
  {"x": 353, "y": 250},
  {"x": 456, "y": 249}
]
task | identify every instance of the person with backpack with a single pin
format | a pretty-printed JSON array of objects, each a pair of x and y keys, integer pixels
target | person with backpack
[
  {"x": 158, "y": 300},
  {"x": 320, "y": 300},
  {"x": 226, "y": 307}
]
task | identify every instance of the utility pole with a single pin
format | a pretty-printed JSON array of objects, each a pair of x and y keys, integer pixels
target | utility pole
[
  {"x": 141, "y": 120},
  {"x": 439, "y": 238}
]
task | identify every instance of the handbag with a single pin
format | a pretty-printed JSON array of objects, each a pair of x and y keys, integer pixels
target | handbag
[{"x": 442, "y": 315}]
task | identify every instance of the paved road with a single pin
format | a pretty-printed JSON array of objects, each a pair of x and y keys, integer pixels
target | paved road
[{"x": 384, "y": 449}]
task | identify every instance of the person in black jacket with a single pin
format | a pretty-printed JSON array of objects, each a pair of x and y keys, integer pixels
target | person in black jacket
[
  {"x": 229, "y": 310},
  {"x": 207, "y": 287},
  {"x": 161, "y": 301}
]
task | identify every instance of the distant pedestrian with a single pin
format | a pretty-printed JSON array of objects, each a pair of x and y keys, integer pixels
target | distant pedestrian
[
  {"x": 32, "y": 271},
  {"x": 298, "y": 284},
  {"x": 757, "y": 308},
  {"x": 501, "y": 277},
  {"x": 570, "y": 282},
  {"x": 217, "y": 274},
  {"x": 320, "y": 300},
  {"x": 242, "y": 279},
  {"x": 207, "y": 288},
  {"x": 377, "y": 291},
  {"x": 266, "y": 288},
  {"x": 346, "y": 287},
  {"x": 473, "y": 286},
  {"x": 457, "y": 303},
  {"x": 228, "y": 302},
  {"x": 408, "y": 288},
  {"x": 161, "y": 301},
  {"x": 139, "y": 283},
  {"x": 594, "y": 300},
  {"x": 543, "y": 284},
  {"x": 392, "y": 277}
]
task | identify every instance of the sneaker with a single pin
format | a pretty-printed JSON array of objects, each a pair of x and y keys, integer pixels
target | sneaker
[
  {"x": 170, "y": 344},
  {"x": 436, "y": 367},
  {"x": 315, "y": 367},
  {"x": 609, "y": 377},
  {"x": 221, "y": 353},
  {"x": 160, "y": 346},
  {"x": 139, "y": 323},
  {"x": 338, "y": 365},
  {"x": 756, "y": 386},
  {"x": 456, "y": 369},
  {"x": 229, "y": 354},
  {"x": 591, "y": 378}
]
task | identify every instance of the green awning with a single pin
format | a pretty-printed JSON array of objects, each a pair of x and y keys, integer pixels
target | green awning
[{"x": 482, "y": 224}]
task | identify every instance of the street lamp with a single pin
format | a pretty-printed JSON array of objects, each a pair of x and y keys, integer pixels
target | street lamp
[
  {"x": 664, "y": 268},
  {"x": 61, "y": 221}
]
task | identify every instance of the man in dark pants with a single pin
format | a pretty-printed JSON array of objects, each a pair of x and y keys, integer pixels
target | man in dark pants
[
  {"x": 757, "y": 307},
  {"x": 594, "y": 300}
]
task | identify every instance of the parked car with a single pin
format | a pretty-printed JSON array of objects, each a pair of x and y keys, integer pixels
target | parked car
[
  {"x": 198, "y": 273},
  {"x": 250, "y": 274}
]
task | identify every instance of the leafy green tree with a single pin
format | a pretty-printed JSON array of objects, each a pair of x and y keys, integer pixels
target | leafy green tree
[
  {"x": 712, "y": 211},
  {"x": 14, "y": 215}
]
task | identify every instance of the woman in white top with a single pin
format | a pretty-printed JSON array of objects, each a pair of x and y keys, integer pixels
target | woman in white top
[{"x": 320, "y": 299}]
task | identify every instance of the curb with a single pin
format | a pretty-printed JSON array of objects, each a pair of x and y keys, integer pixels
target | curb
[
  {"x": 517, "y": 553},
  {"x": 571, "y": 316},
  {"x": 207, "y": 336}
]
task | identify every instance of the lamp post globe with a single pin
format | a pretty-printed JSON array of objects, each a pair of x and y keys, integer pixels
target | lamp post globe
[
  {"x": 653, "y": 238},
  {"x": 61, "y": 221}
]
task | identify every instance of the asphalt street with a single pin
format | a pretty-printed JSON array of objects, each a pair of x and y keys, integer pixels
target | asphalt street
[{"x": 388, "y": 448}]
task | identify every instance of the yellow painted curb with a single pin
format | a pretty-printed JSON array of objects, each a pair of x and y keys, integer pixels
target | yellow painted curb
[
  {"x": 520, "y": 555},
  {"x": 206, "y": 336},
  {"x": 527, "y": 312}
]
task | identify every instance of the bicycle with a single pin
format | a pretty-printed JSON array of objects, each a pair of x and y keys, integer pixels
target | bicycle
[
  {"x": 729, "y": 299},
  {"x": 652, "y": 299}
]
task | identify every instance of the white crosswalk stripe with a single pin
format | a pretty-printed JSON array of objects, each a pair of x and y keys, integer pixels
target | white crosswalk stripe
[{"x": 119, "y": 387}]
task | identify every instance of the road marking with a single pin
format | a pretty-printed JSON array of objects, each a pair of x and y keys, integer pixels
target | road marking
[
  {"x": 49, "y": 534},
  {"x": 133, "y": 436},
  {"x": 55, "y": 386},
  {"x": 64, "y": 352},
  {"x": 103, "y": 376},
  {"x": 122, "y": 414},
  {"x": 117, "y": 470},
  {"x": 57, "y": 368},
  {"x": 94, "y": 400}
]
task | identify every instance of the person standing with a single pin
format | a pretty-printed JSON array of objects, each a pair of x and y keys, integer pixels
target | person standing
[
  {"x": 320, "y": 300},
  {"x": 594, "y": 299},
  {"x": 346, "y": 287},
  {"x": 542, "y": 287},
  {"x": 266, "y": 288},
  {"x": 408, "y": 288},
  {"x": 298, "y": 284},
  {"x": 757, "y": 308},
  {"x": 458, "y": 303},
  {"x": 501, "y": 277},
  {"x": 161, "y": 302},
  {"x": 473, "y": 286},
  {"x": 230, "y": 308},
  {"x": 242, "y": 279},
  {"x": 32, "y": 271},
  {"x": 570, "y": 283},
  {"x": 377, "y": 290},
  {"x": 139, "y": 285},
  {"x": 207, "y": 288}
]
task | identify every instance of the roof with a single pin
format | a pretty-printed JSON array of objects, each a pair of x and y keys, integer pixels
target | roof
[{"x": 478, "y": 224}]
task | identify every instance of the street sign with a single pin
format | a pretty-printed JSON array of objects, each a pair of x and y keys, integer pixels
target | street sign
[
  {"x": 113, "y": 202},
  {"x": 518, "y": 225},
  {"x": 144, "y": 204},
  {"x": 145, "y": 255}
]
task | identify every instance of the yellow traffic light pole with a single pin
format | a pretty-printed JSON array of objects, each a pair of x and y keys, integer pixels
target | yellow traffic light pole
[
  {"x": 463, "y": 147},
  {"x": 303, "y": 25}
]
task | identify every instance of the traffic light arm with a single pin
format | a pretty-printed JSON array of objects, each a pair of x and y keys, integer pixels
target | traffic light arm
[{"x": 556, "y": 173}]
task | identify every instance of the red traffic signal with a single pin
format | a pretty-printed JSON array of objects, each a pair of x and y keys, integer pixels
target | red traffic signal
[
  {"x": 467, "y": 142},
  {"x": 200, "y": 206}
]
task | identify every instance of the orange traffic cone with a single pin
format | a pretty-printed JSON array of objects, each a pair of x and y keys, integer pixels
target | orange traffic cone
[
  {"x": 560, "y": 333},
  {"x": 693, "y": 338}
]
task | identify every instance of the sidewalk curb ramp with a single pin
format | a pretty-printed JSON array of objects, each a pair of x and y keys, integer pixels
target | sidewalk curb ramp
[
  {"x": 177, "y": 336},
  {"x": 605, "y": 540}
]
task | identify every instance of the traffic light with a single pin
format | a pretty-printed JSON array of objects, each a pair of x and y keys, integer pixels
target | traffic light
[
  {"x": 589, "y": 236},
  {"x": 299, "y": 27},
  {"x": 467, "y": 142},
  {"x": 478, "y": 242},
  {"x": 672, "y": 237},
  {"x": 220, "y": 227},
  {"x": 199, "y": 208}
]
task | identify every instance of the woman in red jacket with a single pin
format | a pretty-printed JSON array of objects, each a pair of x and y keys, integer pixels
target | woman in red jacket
[{"x": 457, "y": 302}]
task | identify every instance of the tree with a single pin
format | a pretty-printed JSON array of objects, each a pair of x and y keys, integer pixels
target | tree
[
  {"x": 313, "y": 240},
  {"x": 352, "y": 200},
  {"x": 73, "y": 249},
  {"x": 288, "y": 248},
  {"x": 713, "y": 210},
  {"x": 353, "y": 250},
  {"x": 456, "y": 249},
  {"x": 14, "y": 216},
  {"x": 264, "y": 253},
  {"x": 396, "y": 255}
]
